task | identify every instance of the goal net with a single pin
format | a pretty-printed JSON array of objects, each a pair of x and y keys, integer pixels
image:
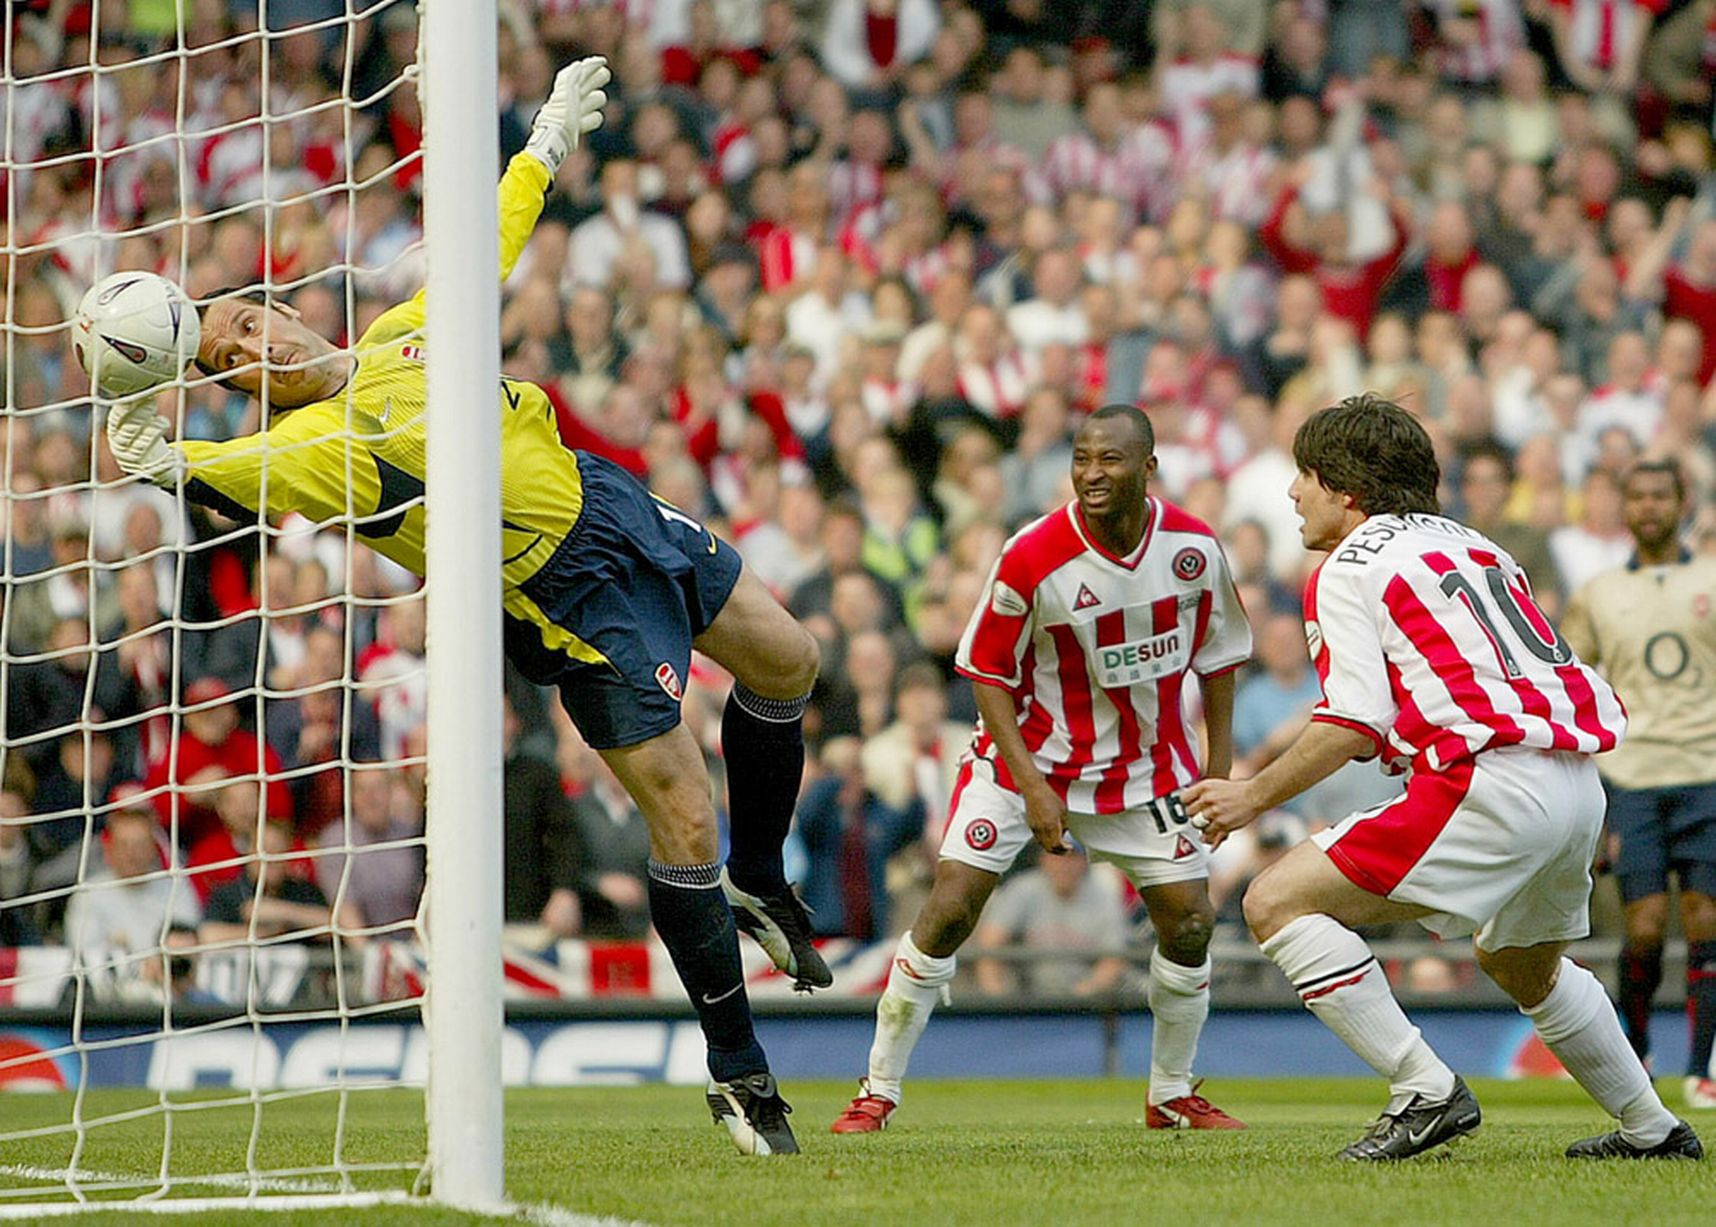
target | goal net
[{"x": 213, "y": 755}]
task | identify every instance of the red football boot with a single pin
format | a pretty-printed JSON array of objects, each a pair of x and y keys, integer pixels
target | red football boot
[
  {"x": 866, "y": 1114},
  {"x": 1189, "y": 1112}
]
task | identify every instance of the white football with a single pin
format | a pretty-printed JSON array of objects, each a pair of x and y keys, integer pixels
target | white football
[{"x": 135, "y": 331}]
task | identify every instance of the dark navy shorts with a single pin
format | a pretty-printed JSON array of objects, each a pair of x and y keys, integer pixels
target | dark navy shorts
[
  {"x": 637, "y": 580},
  {"x": 1663, "y": 831}
]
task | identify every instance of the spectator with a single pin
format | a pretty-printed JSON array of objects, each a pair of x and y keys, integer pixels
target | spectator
[
  {"x": 17, "y": 927},
  {"x": 1486, "y": 479},
  {"x": 1599, "y": 541},
  {"x": 119, "y": 920},
  {"x": 867, "y": 44},
  {"x": 382, "y": 884},
  {"x": 211, "y": 749},
  {"x": 1063, "y": 908},
  {"x": 624, "y": 232},
  {"x": 912, "y": 763},
  {"x": 394, "y": 675},
  {"x": 545, "y": 853},
  {"x": 848, "y": 834},
  {"x": 1272, "y": 706},
  {"x": 272, "y": 901},
  {"x": 616, "y": 838}
]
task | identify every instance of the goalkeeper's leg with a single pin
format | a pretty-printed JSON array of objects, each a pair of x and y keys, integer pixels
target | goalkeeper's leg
[
  {"x": 667, "y": 778},
  {"x": 774, "y": 660}
]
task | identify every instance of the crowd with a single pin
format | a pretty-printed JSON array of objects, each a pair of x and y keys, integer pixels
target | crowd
[{"x": 839, "y": 278}]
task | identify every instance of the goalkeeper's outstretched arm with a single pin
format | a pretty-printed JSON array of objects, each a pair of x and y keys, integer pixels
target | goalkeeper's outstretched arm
[{"x": 137, "y": 434}]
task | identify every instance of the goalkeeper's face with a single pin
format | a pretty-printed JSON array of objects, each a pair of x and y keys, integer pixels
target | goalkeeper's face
[{"x": 258, "y": 348}]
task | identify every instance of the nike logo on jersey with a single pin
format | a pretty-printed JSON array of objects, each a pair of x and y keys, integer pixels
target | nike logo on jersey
[
  {"x": 708, "y": 1000},
  {"x": 1086, "y": 598},
  {"x": 907, "y": 968}
]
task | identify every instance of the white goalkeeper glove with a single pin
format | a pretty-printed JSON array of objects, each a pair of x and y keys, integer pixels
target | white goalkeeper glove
[
  {"x": 136, "y": 435},
  {"x": 574, "y": 107}
]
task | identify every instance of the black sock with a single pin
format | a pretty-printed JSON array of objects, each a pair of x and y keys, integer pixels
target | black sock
[
  {"x": 1641, "y": 973},
  {"x": 696, "y": 925},
  {"x": 1701, "y": 1003},
  {"x": 762, "y": 742}
]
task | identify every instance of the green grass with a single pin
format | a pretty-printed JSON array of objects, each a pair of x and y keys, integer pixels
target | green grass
[{"x": 978, "y": 1153}]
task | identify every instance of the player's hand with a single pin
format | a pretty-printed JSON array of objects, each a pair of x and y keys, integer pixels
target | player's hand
[
  {"x": 1219, "y": 808},
  {"x": 1047, "y": 817},
  {"x": 574, "y": 107},
  {"x": 137, "y": 436}
]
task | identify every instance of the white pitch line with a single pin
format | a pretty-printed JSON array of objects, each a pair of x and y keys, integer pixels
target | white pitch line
[
  {"x": 310, "y": 1195},
  {"x": 546, "y": 1215},
  {"x": 229, "y": 1180}
]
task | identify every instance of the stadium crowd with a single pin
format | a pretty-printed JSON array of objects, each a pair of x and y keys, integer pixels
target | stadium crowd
[{"x": 839, "y": 278}]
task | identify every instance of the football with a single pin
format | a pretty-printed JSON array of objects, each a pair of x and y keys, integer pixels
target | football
[{"x": 134, "y": 331}]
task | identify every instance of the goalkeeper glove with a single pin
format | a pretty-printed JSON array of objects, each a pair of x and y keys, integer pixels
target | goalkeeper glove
[
  {"x": 574, "y": 107},
  {"x": 136, "y": 434}
]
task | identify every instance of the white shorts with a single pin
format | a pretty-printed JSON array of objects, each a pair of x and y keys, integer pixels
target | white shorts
[
  {"x": 1500, "y": 845},
  {"x": 986, "y": 829}
]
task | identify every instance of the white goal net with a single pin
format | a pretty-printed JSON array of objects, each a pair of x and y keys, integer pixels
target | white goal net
[{"x": 212, "y": 761}]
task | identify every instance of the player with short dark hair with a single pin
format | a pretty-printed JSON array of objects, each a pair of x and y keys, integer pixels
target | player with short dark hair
[
  {"x": 1650, "y": 626},
  {"x": 1094, "y": 619},
  {"x": 1434, "y": 657},
  {"x": 606, "y": 588}
]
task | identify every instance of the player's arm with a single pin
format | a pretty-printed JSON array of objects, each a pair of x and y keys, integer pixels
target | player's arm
[
  {"x": 294, "y": 466},
  {"x": 1223, "y": 648},
  {"x": 1357, "y": 705},
  {"x": 992, "y": 655},
  {"x": 1221, "y": 807},
  {"x": 1218, "y": 724},
  {"x": 1043, "y": 807},
  {"x": 573, "y": 109}
]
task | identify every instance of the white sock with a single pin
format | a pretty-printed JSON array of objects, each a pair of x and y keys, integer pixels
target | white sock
[
  {"x": 1179, "y": 1003},
  {"x": 915, "y": 983},
  {"x": 1339, "y": 979},
  {"x": 1578, "y": 1023}
]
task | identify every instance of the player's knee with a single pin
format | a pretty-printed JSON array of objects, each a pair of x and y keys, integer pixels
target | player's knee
[
  {"x": 801, "y": 660},
  {"x": 1647, "y": 923},
  {"x": 1527, "y": 980},
  {"x": 1187, "y": 940},
  {"x": 1266, "y": 908}
]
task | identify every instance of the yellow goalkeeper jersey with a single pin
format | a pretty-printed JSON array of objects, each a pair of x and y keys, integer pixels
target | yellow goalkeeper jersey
[
  {"x": 361, "y": 455},
  {"x": 1651, "y": 631}
]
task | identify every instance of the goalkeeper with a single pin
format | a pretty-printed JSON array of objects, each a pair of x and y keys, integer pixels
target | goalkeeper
[{"x": 606, "y": 591}]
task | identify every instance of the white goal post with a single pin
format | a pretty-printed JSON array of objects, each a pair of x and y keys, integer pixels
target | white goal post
[
  {"x": 170, "y": 156},
  {"x": 460, "y": 222}
]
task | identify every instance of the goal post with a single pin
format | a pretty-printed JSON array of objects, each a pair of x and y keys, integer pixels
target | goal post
[
  {"x": 348, "y": 1061},
  {"x": 463, "y": 1010}
]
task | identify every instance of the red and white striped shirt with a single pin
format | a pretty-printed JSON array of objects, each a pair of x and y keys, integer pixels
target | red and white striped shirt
[
  {"x": 1500, "y": 32},
  {"x": 1188, "y": 85},
  {"x": 1599, "y": 30},
  {"x": 1427, "y": 639},
  {"x": 1096, "y": 650},
  {"x": 1135, "y": 170}
]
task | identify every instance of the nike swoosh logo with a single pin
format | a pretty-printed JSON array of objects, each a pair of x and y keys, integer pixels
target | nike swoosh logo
[
  {"x": 708, "y": 1000},
  {"x": 1417, "y": 1136}
]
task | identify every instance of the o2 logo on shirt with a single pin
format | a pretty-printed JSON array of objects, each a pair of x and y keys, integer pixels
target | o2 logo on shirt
[
  {"x": 981, "y": 835},
  {"x": 1189, "y": 564}
]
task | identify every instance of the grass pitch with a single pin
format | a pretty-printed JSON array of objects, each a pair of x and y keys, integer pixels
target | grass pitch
[{"x": 962, "y": 1153}]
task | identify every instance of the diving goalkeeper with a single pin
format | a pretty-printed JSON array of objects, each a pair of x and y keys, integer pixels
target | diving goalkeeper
[{"x": 606, "y": 591}]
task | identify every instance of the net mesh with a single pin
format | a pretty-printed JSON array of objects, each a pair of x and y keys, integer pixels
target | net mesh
[{"x": 211, "y": 778}]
